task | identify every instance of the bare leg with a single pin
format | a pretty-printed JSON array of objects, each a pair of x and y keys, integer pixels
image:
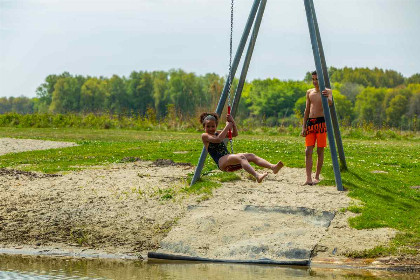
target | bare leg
[
  {"x": 243, "y": 161},
  {"x": 264, "y": 163},
  {"x": 248, "y": 168},
  {"x": 319, "y": 163},
  {"x": 308, "y": 162},
  {"x": 277, "y": 167},
  {"x": 257, "y": 160}
]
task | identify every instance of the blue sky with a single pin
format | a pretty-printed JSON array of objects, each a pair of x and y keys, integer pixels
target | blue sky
[{"x": 104, "y": 37}]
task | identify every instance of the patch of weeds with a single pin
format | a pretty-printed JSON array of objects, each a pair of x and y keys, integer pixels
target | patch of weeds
[
  {"x": 202, "y": 186},
  {"x": 202, "y": 198},
  {"x": 166, "y": 227},
  {"x": 225, "y": 176},
  {"x": 250, "y": 177},
  {"x": 371, "y": 253},
  {"x": 137, "y": 191},
  {"x": 402, "y": 245},
  {"x": 80, "y": 236},
  {"x": 355, "y": 209},
  {"x": 143, "y": 175},
  {"x": 129, "y": 159},
  {"x": 124, "y": 193},
  {"x": 209, "y": 180},
  {"x": 166, "y": 194}
]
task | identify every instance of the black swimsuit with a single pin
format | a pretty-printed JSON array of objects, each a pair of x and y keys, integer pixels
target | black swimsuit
[{"x": 217, "y": 150}]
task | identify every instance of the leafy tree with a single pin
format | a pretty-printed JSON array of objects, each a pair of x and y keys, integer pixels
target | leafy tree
[
  {"x": 140, "y": 91},
  {"x": 92, "y": 95},
  {"x": 413, "y": 113},
  {"x": 22, "y": 105},
  {"x": 397, "y": 108},
  {"x": 4, "y": 105},
  {"x": 414, "y": 79},
  {"x": 343, "y": 107},
  {"x": 117, "y": 98},
  {"x": 245, "y": 102},
  {"x": 212, "y": 87},
  {"x": 350, "y": 90},
  {"x": 66, "y": 95},
  {"x": 300, "y": 105},
  {"x": 272, "y": 98},
  {"x": 368, "y": 77},
  {"x": 183, "y": 91},
  {"x": 160, "y": 85},
  {"x": 368, "y": 107},
  {"x": 45, "y": 91}
]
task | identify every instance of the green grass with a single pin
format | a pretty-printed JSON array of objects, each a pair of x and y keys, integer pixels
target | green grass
[{"x": 380, "y": 174}]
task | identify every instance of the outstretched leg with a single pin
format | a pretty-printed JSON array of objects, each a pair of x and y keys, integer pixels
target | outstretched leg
[
  {"x": 319, "y": 163},
  {"x": 264, "y": 163},
  {"x": 277, "y": 167},
  {"x": 308, "y": 164},
  {"x": 241, "y": 159}
]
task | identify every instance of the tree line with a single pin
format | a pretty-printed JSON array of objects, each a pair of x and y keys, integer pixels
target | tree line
[{"x": 362, "y": 95}]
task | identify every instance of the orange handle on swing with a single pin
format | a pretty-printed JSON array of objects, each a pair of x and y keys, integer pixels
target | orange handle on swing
[{"x": 230, "y": 131}]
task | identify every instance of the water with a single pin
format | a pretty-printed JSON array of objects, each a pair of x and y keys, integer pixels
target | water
[{"x": 45, "y": 268}]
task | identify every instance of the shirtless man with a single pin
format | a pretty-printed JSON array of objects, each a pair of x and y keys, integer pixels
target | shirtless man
[{"x": 315, "y": 129}]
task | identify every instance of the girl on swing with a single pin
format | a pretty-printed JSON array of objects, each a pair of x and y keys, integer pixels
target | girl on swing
[{"x": 213, "y": 141}]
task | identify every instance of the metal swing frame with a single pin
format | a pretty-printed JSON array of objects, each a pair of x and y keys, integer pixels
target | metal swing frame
[{"x": 254, "y": 19}]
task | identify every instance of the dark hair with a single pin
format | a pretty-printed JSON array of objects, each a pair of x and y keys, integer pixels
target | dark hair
[
  {"x": 204, "y": 115},
  {"x": 314, "y": 73}
]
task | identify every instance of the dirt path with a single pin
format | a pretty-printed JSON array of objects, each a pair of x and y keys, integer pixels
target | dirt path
[
  {"x": 12, "y": 145},
  {"x": 128, "y": 208}
]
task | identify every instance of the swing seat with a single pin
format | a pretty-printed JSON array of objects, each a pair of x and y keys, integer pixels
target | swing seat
[{"x": 233, "y": 168}]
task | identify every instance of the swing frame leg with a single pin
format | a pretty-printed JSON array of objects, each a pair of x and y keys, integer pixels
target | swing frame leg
[
  {"x": 223, "y": 97},
  {"x": 333, "y": 112},
  {"x": 248, "y": 57},
  {"x": 310, "y": 11}
]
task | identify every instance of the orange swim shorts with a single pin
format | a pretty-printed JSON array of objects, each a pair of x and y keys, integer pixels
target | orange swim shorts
[{"x": 316, "y": 131}]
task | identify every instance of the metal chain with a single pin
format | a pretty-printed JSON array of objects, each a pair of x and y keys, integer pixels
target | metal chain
[
  {"x": 230, "y": 50},
  {"x": 230, "y": 62}
]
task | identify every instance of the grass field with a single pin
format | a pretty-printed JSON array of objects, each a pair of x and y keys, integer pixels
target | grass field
[{"x": 382, "y": 173}]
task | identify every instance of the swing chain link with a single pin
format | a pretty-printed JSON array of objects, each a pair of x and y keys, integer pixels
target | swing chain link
[
  {"x": 230, "y": 50},
  {"x": 230, "y": 61}
]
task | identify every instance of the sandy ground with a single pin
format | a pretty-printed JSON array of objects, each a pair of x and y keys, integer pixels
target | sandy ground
[
  {"x": 11, "y": 145},
  {"x": 127, "y": 209}
]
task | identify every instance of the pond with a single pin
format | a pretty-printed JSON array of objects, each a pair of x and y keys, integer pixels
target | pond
[{"x": 36, "y": 268}]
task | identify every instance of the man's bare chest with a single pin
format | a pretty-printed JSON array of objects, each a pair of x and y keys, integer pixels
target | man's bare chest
[{"x": 315, "y": 97}]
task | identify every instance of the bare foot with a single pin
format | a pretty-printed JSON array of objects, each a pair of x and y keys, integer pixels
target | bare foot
[
  {"x": 277, "y": 167},
  {"x": 261, "y": 177},
  {"x": 315, "y": 181},
  {"x": 308, "y": 183}
]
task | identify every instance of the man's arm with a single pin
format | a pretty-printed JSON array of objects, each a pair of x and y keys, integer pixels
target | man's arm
[{"x": 328, "y": 93}]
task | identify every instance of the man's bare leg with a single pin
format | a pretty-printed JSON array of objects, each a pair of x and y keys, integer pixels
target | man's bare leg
[
  {"x": 319, "y": 164},
  {"x": 308, "y": 164}
]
